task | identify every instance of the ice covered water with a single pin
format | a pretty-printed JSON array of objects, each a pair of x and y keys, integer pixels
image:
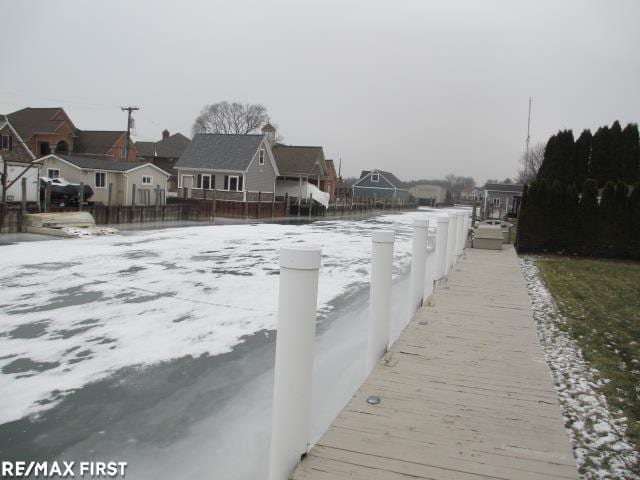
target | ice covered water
[{"x": 78, "y": 311}]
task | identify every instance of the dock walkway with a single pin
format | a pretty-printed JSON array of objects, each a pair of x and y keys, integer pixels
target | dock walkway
[{"x": 465, "y": 394}]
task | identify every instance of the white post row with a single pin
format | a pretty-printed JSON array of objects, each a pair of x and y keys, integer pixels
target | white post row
[
  {"x": 451, "y": 239},
  {"x": 418, "y": 264},
  {"x": 430, "y": 268},
  {"x": 380, "y": 296},
  {"x": 441, "y": 246},
  {"x": 297, "y": 305}
]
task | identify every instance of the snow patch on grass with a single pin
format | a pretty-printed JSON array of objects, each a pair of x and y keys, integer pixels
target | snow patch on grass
[{"x": 600, "y": 446}]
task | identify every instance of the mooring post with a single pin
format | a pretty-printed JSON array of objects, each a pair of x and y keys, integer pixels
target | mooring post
[
  {"x": 459, "y": 233},
  {"x": 441, "y": 247},
  {"x": 81, "y": 196},
  {"x": 47, "y": 196},
  {"x": 297, "y": 305},
  {"x": 133, "y": 195},
  {"x": 418, "y": 264},
  {"x": 310, "y": 204},
  {"x": 380, "y": 296},
  {"x": 451, "y": 239},
  {"x": 430, "y": 264},
  {"x": 213, "y": 206}
]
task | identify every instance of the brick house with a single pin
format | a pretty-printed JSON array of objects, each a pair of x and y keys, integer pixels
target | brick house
[{"x": 50, "y": 130}]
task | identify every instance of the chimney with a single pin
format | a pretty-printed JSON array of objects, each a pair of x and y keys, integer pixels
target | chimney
[{"x": 165, "y": 134}]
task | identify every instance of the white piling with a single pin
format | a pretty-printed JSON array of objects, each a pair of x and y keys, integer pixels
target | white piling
[
  {"x": 460, "y": 235},
  {"x": 430, "y": 267},
  {"x": 297, "y": 305},
  {"x": 441, "y": 246},
  {"x": 451, "y": 239},
  {"x": 380, "y": 296},
  {"x": 418, "y": 264}
]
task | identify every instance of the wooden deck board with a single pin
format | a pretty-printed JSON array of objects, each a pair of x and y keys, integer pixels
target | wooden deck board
[{"x": 466, "y": 395}]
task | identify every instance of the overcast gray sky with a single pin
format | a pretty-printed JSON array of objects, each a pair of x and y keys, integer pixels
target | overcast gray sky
[{"x": 420, "y": 88}]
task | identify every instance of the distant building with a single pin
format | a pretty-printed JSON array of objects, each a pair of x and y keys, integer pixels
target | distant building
[
  {"x": 164, "y": 154},
  {"x": 432, "y": 195},
  {"x": 379, "y": 184},
  {"x": 502, "y": 199}
]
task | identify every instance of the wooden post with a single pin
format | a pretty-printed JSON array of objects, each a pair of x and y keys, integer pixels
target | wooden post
[
  {"x": 286, "y": 204},
  {"x": 273, "y": 204},
  {"x": 310, "y": 204},
  {"x": 23, "y": 206},
  {"x": 81, "y": 196},
  {"x": 259, "y": 200},
  {"x": 157, "y": 198},
  {"x": 109, "y": 193},
  {"x": 246, "y": 207},
  {"x": 214, "y": 206},
  {"x": 47, "y": 197},
  {"x": 133, "y": 195}
]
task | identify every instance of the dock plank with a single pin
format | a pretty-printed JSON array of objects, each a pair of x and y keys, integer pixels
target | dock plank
[{"x": 465, "y": 392}]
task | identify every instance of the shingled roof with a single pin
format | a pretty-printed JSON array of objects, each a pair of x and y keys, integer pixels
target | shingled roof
[
  {"x": 96, "y": 141},
  {"x": 215, "y": 151},
  {"x": 92, "y": 163},
  {"x": 388, "y": 175},
  {"x": 504, "y": 187},
  {"x": 298, "y": 159},
  {"x": 171, "y": 147},
  {"x": 29, "y": 121}
]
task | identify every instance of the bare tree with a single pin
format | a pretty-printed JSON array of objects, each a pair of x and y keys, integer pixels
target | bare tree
[
  {"x": 529, "y": 170},
  {"x": 225, "y": 117}
]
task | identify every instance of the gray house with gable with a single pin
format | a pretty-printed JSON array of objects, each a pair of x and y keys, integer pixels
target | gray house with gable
[
  {"x": 237, "y": 167},
  {"x": 379, "y": 184}
]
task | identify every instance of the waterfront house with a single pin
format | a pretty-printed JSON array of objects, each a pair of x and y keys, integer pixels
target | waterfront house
[
  {"x": 132, "y": 182},
  {"x": 237, "y": 167},
  {"x": 379, "y": 184}
]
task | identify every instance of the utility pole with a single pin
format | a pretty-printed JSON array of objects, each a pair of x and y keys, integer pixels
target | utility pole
[
  {"x": 526, "y": 155},
  {"x": 128, "y": 110}
]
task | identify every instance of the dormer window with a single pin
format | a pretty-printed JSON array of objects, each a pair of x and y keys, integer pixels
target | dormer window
[
  {"x": 375, "y": 177},
  {"x": 261, "y": 157}
]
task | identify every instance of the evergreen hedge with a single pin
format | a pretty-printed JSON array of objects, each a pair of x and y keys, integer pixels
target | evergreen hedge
[{"x": 556, "y": 219}]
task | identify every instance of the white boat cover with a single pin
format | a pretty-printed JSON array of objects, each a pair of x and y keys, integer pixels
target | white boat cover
[{"x": 294, "y": 189}]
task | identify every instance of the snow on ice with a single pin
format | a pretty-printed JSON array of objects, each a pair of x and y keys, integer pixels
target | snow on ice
[{"x": 75, "y": 311}]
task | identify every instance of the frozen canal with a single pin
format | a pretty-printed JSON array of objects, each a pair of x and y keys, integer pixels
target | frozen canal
[{"x": 157, "y": 347}]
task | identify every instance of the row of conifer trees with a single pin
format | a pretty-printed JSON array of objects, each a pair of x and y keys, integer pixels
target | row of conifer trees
[{"x": 556, "y": 218}]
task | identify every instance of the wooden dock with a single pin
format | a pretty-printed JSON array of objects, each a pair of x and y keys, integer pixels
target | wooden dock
[{"x": 465, "y": 392}]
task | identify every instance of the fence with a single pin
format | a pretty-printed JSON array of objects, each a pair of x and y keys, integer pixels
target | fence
[{"x": 439, "y": 240}]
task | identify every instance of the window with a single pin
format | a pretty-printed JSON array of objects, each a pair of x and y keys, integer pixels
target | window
[
  {"x": 147, "y": 180},
  {"x": 53, "y": 173},
  {"x": 375, "y": 177},
  {"x": 205, "y": 182},
  {"x": 261, "y": 158},
  {"x": 101, "y": 180},
  {"x": 7, "y": 142},
  {"x": 233, "y": 183},
  {"x": 495, "y": 201},
  {"x": 44, "y": 148},
  {"x": 123, "y": 152}
]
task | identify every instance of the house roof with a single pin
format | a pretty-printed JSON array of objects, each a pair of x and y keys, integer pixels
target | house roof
[
  {"x": 503, "y": 187},
  {"x": 215, "y": 151},
  {"x": 171, "y": 147},
  {"x": 96, "y": 141},
  {"x": 92, "y": 163},
  {"x": 296, "y": 159},
  {"x": 395, "y": 181},
  {"x": 29, "y": 121}
]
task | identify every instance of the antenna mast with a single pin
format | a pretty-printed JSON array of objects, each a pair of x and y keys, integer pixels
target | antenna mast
[{"x": 129, "y": 110}]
